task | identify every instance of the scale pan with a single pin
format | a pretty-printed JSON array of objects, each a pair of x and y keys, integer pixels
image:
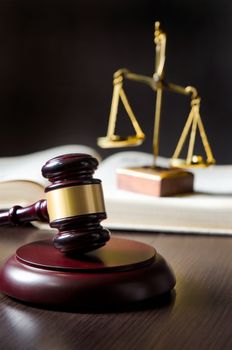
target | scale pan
[
  {"x": 197, "y": 162},
  {"x": 120, "y": 141}
]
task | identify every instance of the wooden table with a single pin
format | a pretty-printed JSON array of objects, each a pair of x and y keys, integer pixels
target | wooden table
[{"x": 199, "y": 316}]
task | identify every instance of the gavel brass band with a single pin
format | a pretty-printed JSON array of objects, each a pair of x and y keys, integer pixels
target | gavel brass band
[{"x": 75, "y": 200}]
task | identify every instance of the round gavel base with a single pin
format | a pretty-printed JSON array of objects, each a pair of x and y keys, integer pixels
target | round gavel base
[{"x": 122, "y": 272}]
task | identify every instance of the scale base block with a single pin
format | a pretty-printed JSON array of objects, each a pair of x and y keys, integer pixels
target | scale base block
[
  {"x": 118, "y": 275},
  {"x": 158, "y": 182}
]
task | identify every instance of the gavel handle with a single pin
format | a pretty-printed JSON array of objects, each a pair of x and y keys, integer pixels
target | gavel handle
[{"x": 18, "y": 215}]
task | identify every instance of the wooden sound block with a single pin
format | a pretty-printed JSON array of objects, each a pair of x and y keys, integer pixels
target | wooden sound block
[
  {"x": 157, "y": 181},
  {"x": 121, "y": 273}
]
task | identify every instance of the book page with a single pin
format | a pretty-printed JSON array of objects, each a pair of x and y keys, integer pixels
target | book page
[
  {"x": 216, "y": 179},
  {"x": 21, "y": 181},
  {"x": 28, "y": 167},
  {"x": 207, "y": 210},
  {"x": 19, "y": 192}
]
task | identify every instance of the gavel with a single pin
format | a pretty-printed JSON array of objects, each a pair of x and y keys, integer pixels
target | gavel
[
  {"x": 84, "y": 272},
  {"x": 74, "y": 205}
]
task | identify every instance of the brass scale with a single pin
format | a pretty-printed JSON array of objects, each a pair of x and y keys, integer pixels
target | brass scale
[{"x": 158, "y": 84}]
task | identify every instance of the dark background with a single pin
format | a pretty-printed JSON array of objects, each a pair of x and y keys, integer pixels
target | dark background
[{"x": 57, "y": 59}]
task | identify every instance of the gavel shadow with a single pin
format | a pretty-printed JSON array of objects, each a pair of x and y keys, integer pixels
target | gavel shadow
[{"x": 165, "y": 301}]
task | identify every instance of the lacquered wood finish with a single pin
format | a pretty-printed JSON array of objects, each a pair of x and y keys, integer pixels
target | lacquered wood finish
[
  {"x": 67, "y": 169},
  {"x": 81, "y": 232},
  {"x": 120, "y": 274},
  {"x": 198, "y": 316},
  {"x": 118, "y": 255},
  {"x": 18, "y": 215}
]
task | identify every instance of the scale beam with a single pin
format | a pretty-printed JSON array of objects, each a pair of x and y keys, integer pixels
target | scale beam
[{"x": 159, "y": 85}]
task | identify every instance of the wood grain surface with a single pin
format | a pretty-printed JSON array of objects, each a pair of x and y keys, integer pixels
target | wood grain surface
[{"x": 199, "y": 316}]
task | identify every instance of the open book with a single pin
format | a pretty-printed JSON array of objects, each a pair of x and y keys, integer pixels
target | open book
[
  {"x": 208, "y": 210},
  {"x": 21, "y": 181}
]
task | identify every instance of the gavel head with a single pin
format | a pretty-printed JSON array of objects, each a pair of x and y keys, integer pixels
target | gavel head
[{"x": 75, "y": 203}]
